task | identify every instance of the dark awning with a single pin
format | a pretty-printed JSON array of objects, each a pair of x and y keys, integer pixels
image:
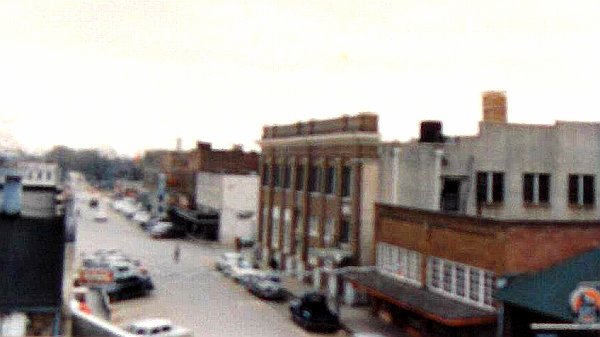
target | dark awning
[{"x": 425, "y": 303}]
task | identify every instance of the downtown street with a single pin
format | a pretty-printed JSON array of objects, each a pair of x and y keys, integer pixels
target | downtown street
[{"x": 190, "y": 293}]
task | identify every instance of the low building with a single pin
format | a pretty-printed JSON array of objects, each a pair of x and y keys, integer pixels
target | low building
[
  {"x": 318, "y": 185},
  {"x": 235, "y": 198},
  {"x": 438, "y": 271}
]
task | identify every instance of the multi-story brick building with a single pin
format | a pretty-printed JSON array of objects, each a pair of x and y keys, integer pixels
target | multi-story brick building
[
  {"x": 455, "y": 213},
  {"x": 318, "y": 184}
]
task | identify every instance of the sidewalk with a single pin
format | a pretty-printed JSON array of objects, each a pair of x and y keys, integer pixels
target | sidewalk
[{"x": 353, "y": 319}]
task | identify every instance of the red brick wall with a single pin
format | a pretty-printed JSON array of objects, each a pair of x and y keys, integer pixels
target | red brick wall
[{"x": 499, "y": 246}]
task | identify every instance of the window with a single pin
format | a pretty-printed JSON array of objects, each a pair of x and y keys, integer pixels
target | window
[
  {"x": 581, "y": 190},
  {"x": 490, "y": 187},
  {"x": 48, "y": 175},
  {"x": 313, "y": 226},
  {"x": 460, "y": 281},
  {"x": 536, "y": 188},
  {"x": 399, "y": 262},
  {"x": 346, "y": 181},
  {"x": 277, "y": 176},
  {"x": 287, "y": 176},
  {"x": 344, "y": 230},
  {"x": 265, "y": 217},
  {"x": 330, "y": 180},
  {"x": 299, "y": 177},
  {"x": 314, "y": 179},
  {"x": 275, "y": 228},
  {"x": 265, "y": 175},
  {"x": 329, "y": 228},
  {"x": 287, "y": 228}
]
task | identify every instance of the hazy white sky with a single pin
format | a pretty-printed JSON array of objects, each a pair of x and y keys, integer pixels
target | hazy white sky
[{"x": 134, "y": 75}]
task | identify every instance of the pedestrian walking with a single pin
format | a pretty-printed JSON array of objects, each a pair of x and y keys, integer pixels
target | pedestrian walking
[{"x": 176, "y": 253}]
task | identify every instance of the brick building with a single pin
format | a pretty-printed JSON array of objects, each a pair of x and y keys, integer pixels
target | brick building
[
  {"x": 437, "y": 271},
  {"x": 181, "y": 168},
  {"x": 318, "y": 184},
  {"x": 456, "y": 213}
]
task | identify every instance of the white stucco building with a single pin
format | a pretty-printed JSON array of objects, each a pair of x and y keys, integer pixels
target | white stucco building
[
  {"x": 235, "y": 197},
  {"x": 506, "y": 171}
]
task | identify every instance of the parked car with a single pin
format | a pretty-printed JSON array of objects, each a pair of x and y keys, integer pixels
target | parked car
[
  {"x": 165, "y": 229},
  {"x": 141, "y": 217},
  {"x": 266, "y": 286},
  {"x": 157, "y": 327},
  {"x": 100, "y": 216},
  {"x": 226, "y": 260},
  {"x": 312, "y": 313},
  {"x": 242, "y": 270}
]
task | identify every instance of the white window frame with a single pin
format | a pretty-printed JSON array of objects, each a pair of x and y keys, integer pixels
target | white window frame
[
  {"x": 313, "y": 226},
  {"x": 275, "y": 213},
  {"x": 484, "y": 296},
  {"x": 400, "y": 263},
  {"x": 329, "y": 229},
  {"x": 287, "y": 229}
]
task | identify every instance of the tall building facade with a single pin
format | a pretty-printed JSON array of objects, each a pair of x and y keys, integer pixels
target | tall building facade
[{"x": 318, "y": 183}]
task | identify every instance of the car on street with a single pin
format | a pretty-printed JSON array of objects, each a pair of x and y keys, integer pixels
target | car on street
[
  {"x": 158, "y": 327},
  {"x": 165, "y": 229},
  {"x": 312, "y": 313},
  {"x": 100, "y": 216},
  {"x": 226, "y": 260},
  {"x": 266, "y": 286},
  {"x": 243, "y": 270},
  {"x": 141, "y": 216}
]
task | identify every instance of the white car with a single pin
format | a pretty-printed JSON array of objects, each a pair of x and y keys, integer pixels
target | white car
[
  {"x": 226, "y": 260},
  {"x": 100, "y": 216},
  {"x": 141, "y": 216},
  {"x": 157, "y": 327},
  {"x": 243, "y": 269}
]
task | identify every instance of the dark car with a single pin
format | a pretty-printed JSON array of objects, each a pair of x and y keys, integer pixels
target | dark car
[
  {"x": 129, "y": 287},
  {"x": 93, "y": 203},
  {"x": 266, "y": 287},
  {"x": 312, "y": 313}
]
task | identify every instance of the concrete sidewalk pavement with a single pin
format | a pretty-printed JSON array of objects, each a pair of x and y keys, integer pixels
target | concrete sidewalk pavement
[{"x": 353, "y": 319}]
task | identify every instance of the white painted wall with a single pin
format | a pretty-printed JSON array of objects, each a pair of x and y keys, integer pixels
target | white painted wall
[
  {"x": 369, "y": 188},
  {"x": 230, "y": 195},
  {"x": 561, "y": 149}
]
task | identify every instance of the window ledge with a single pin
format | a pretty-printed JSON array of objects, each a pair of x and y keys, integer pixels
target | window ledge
[
  {"x": 586, "y": 207},
  {"x": 540, "y": 205},
  {"x": 493, "y": 205}
]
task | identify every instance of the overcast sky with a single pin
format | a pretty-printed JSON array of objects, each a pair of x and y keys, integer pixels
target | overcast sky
[{"x": 134, "y": 75}]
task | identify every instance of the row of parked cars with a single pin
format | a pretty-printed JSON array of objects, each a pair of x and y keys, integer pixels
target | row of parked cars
[
  {"x": 311, "y": 311},
  {"x": 156, "y": 227}
]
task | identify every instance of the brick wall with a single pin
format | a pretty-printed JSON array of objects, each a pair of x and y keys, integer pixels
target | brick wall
[{"x": 499, "y": 246}]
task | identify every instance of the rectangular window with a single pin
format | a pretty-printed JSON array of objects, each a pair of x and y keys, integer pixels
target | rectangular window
[
  {"x": 313, "y": 226},
  {"x": 299, "y": 177},
  {"x": 314, "y": 179},
  {"x": 490, "y": 187},
  {"x": 536, "y": 188},
  {"x": 346, "y": 181},
  {"x": 277, "y": 176},
  {"x": 582, "y": 191},
  {"x": 287, "y": 227},
  {"x": 462, "y": 282},
  {"x": 330, "y": 180},
  {"x": 329, "y": 228},
  {"x": 287, "y": 176},
  {"x": 275, "y": 228},
  {"x": 265, "y": 175},
  {"x": 345, "y": 230},
  {"x": 399, "y": 262}
]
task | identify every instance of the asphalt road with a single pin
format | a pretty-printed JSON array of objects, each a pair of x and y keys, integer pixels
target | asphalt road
[{"x": 190, "y": 292}]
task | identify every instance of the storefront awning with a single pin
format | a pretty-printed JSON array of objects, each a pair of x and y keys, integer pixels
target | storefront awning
[{"x": 425, "y": 303}]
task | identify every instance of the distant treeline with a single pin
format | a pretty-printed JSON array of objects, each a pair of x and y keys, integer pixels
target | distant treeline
[{"x": 99, "y": 167}]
